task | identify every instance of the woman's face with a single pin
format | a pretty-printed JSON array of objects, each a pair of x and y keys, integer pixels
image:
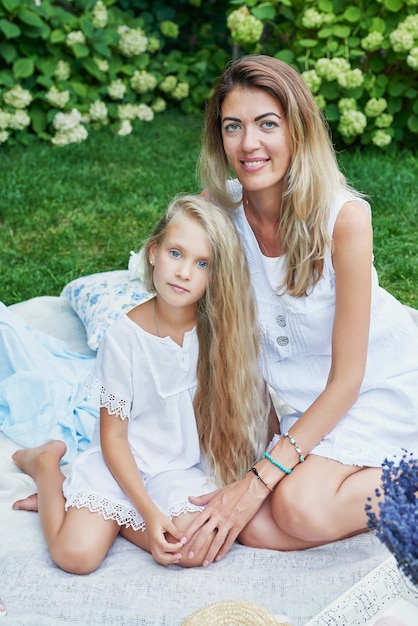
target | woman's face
[{"x": 255, "y": 138}]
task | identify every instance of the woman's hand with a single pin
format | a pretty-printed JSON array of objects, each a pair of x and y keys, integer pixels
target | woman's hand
[
  {"x": 226, "y": 512},
  {"x": 164, "y": 552}
]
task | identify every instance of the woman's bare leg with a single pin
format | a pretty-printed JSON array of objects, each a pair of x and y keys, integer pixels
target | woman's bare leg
[
  {"x": 322, "y": 501},
  {"x": 78, "y": 540}
]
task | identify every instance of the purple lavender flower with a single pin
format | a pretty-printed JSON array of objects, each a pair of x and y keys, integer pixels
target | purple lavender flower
[{"x": 396, "y": 524}]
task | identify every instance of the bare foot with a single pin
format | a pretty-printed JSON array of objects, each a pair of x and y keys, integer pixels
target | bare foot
[
  {"x": 27, "y": 459},
  {"x": 27, "y": 504}
]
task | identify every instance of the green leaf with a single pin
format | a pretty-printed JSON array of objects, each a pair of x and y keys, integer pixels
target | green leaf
[
  {"x": 45, "y": 81},
  {"x": 353, "y": 14},
  {"x": 80, "y": 50},
  {"x": 264, "y": 12},
  {"x": 57, "y": 36},
  {"x": 79, "y": 89},
  {"x": 393, "y": 5},
  {"x": 86, "y": 26},
  {"x": 308, "y": 43},
  {"x": 6, "y": 79},
  {"x": 285, "y": 55},
  {"x": 325, "y": 32},
  {"x": 22, "y": 68},
  {"x": 102, "y": 49},
  {"x": 332, "y": 112},
  {"x": 325, "y": 6},
  {"x": 412, "y": 123},
  {"x": 9, "y": 29},
  {"x": 396, "y": 88},
  {"x": 11, "y": 5},
  {"x": 378, "y": 25},
  {"x": 38, "y": 118},
  {"x": 30, "y": 18},
  {"x": 8, "y": 52},
  {"x": 341, "y": 31},
  {"x": 46, "y": 66},
  {"x": 92, "y": 69}
]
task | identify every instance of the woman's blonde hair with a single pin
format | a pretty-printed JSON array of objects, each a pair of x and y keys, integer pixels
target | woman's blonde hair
[
  {"x": 313, "y": 176},
  {"x": 231, "y": 401}
]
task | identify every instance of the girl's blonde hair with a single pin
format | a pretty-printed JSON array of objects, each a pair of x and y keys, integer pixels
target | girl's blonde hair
[
  {"x": 313, "y": 176},
  {"x": 231, "y": 401}
]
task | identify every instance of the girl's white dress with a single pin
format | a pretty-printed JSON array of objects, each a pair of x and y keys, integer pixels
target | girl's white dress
[
  {"x": 151, "y": 382},
  {"x": 296, "y": 357}
]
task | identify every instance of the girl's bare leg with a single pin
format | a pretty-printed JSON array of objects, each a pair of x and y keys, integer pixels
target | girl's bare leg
[
  {"x": 140, "y": 538},
  {"x": 322, "y": 501},
  {"x": 78, "y": 540}
]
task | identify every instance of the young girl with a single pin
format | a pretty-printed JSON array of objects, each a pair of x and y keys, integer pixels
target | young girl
[
  {"x": 183, "y": 406},
  {"x": 337, "y": 347}
]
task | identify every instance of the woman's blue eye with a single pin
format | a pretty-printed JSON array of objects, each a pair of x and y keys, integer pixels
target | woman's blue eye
[
  {"x": 231, "y": 127},
  {"x": 175, "y": 254},
  {"x": 269, "y": 124},
  {"x": 203, "y": 264}
]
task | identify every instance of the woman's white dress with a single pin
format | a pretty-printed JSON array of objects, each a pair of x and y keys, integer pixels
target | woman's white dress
[
  {"x": 296, "y": 359},
  {"x": 151, "y": 382}
]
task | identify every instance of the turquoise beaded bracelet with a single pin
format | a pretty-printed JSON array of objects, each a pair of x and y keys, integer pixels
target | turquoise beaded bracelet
[
  {"x": 295, "y": 445},
  {"x": 277, "y": 464}
]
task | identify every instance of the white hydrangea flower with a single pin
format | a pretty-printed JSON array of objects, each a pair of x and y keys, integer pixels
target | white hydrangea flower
[
  {"x": 412, "y": 58},
  {"x": 57, "y": 98},
  {"x": 351, "y": 79},
  {"x": 181, "y": 91},
  {"x": 142, "y": 81},
  {"x": 244, "y": 27},
  {"x": 145, "y": 113},
  {"x": 132, "y": 41},
  {"x": 331, "y": 69},
  {"x": 153, "y": 44},
  {"x": 384, "y": 120},
  {"x": 116, "y": 89},
  {"x": 159, "y": 105},
  {"x": 125, "y": 128},
  {"x": 168, "y": 84},
  {"x": 381, "y": 139},
  {"x": 405, "y": 36},
  {"x": 127, "y": 111},
  {"x": 352, "y": 123},
  {"x": 102, "y": 64},
  {"x": 373, "y": 41},
  {"x": 4, "y": 136},
  {"x": 99, "y": 15},
  {"x": 67, "y": 121},
  {"x": 375, "y": 106},
  {"x": 4, "y": 119},
  {"x": 312, "y": 19},
  {"x": 17, "y": 97},
  {"x": 320, "y": 101},
  {"x": 19, "y": 120},
  {"x": 76, "y": 134},
  {"x": 98, "y": 111},
  {"x": 347, "y": 104},
  {"x": 75, "y": 36},
  {"x": 312, "y": 80},
  {"x": 63, "y": 70}
]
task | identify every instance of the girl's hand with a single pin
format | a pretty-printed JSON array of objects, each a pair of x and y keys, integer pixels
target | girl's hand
[
  {"x": 165, "y": 539},
  {"x": 226, "y": 512}
]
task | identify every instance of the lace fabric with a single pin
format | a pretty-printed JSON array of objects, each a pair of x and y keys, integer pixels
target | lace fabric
[{"x": 116, "y": 405}]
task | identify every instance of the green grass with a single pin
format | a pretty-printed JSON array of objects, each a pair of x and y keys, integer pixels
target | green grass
[{"x": 67, "y": 212}]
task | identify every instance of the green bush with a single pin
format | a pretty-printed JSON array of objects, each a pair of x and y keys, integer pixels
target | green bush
[
  {"x": 359, "y": 58},
  {"x": 69, "y": 66}
]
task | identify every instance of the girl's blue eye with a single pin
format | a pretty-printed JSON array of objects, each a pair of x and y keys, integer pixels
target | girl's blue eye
[
  {"x": 203, "y": 264},
  {"x": 175, "y": 254}
]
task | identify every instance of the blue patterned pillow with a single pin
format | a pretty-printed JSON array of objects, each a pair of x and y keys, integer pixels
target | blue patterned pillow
[{"x": 99, "y": 299}]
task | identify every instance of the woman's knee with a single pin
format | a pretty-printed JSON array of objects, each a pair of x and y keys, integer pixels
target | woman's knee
[{"x": 76, "y": 559}]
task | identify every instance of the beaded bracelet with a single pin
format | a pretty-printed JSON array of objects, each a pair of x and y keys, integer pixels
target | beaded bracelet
[
  {"x": 254, "y": 471},
  {"x": 292, "y": 440},
  {"x": 277, "y": 464}
]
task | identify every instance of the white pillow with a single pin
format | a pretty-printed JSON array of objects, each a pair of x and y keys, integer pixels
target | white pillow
[{"x": 99, "y": 299}]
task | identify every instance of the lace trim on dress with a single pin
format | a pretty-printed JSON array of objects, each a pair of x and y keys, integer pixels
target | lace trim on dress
[
  {"x": 106, "y": 509},
  {"x": 116, "y": 405},
  {"x": 122, "y": 515}
]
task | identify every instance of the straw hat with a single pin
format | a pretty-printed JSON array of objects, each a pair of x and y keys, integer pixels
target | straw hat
[{"x": 234, "y": 613}]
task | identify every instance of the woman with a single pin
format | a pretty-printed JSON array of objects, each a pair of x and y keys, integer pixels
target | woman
[{"x": 336, "y": 347}]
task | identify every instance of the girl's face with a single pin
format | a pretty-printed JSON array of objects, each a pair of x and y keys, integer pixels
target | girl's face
[
  {"x": 255, "y": 138},
  {"x": 181, "y": 262}
]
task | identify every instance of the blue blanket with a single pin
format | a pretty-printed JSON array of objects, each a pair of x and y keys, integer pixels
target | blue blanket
[{"x": 41, "y": 388}]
